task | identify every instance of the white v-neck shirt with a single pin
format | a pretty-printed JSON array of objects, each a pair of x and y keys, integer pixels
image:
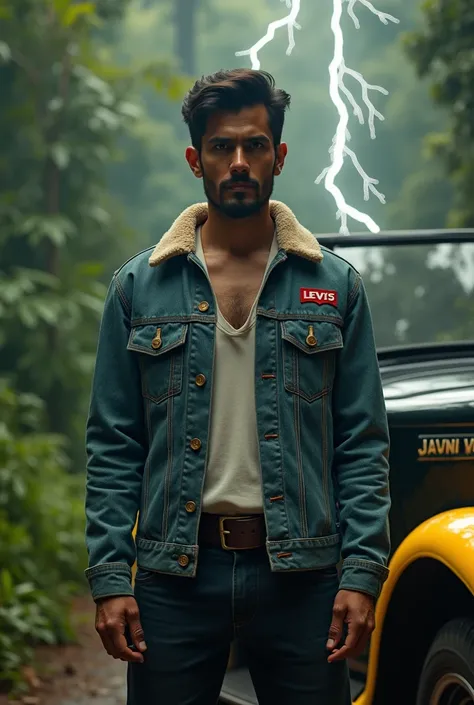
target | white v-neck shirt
[{"x": 233, "y": 479}]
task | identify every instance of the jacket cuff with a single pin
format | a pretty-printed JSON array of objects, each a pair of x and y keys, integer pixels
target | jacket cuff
[
  {"x": 109, "y": 580},
  {"x": 363, "y": 576}
]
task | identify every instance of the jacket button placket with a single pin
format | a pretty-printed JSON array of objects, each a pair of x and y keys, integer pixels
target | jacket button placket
[{"x": 200, "y": 340}]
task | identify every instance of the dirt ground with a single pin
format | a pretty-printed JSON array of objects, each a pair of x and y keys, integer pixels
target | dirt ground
[{"x": 78, "y": 674}]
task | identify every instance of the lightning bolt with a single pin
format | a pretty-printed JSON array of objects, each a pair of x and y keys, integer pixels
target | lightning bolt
[
  {"x": 289, "y": 22},
  {"x": 338, "y": 70}
]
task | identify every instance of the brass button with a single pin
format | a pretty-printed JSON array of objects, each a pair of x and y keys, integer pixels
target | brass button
[
  {"x": 311, "y": 338},
  {"x": 183, "y": 561},
  {"x": 200, "y": 380},
  {"x": 190, "y": 507},
  {"x": 156, "y": 342},
  {"x": 196, "y": 444},
  {"x": 203, "y": 306}
]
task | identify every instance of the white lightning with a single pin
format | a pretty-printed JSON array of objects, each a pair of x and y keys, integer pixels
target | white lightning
[
  {"x": 289, "y": 22},
  {"x": 339, "y": 149},
  {"x": 337, "y": 89}
]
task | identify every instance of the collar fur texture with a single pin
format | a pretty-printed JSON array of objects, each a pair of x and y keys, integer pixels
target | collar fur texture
[{"x": 181, "y": 237}]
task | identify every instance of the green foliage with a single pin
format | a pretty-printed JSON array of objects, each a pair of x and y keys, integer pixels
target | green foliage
[
  {"x": 65, "y": 108},
  {"x": 443, "y": 51},
  {"x": 27, "y": 617},
  {"x": 41, "y": 533},
  {"x": 58, "y": 130}
]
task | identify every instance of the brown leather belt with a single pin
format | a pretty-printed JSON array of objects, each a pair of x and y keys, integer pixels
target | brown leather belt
[{"x": 233, "y": 533}]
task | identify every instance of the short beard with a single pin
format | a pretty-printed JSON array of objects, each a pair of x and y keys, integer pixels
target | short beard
[{"x": 238, "y": 210}]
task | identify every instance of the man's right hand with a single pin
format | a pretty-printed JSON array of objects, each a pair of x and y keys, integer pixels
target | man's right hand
[{"x": 113, "y": 616}]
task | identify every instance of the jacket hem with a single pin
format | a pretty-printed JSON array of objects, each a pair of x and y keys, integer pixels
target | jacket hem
[
  {"x": 288, "y": 555},
  {"x": 304, "y": 554},
  {"x": 170, "y": 558}
]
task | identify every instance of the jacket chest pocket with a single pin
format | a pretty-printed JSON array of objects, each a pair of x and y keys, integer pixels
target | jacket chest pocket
[
  {"x": 161, "y": 358},
  {"x": 309, "y": 357}
]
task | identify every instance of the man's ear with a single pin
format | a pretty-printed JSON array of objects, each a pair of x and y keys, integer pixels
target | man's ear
[
  {"x": 281, "y": 152},
  {"x": 192, "y": 157}
]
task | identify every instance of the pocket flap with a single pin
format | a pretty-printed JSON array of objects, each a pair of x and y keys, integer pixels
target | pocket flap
[
  {"x": 156, "y": 340},
  {"x": 312, "y": 337}
]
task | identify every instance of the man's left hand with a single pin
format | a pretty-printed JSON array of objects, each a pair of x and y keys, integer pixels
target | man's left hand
[{"x": 357, "y": 610}]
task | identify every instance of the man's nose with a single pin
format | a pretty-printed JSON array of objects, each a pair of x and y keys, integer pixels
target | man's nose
[{"x": 239, "y": 163}]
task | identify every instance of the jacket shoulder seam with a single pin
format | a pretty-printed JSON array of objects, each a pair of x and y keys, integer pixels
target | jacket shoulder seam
[
  {"x": 130, "y": 259},
  {"x": 354, "y": 291},
  {"x": 121, "y": 294},
  {"x": 342, "y": 259}
]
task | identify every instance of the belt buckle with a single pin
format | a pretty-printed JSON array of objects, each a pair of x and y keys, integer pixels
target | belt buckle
[{"x": 223, "y": 532}]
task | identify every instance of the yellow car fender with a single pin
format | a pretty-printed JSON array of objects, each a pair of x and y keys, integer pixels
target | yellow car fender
[{"x": 447, "y": 538}]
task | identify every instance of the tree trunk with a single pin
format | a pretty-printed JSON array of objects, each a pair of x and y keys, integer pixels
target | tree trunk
[{"x": 185, "y": 34}]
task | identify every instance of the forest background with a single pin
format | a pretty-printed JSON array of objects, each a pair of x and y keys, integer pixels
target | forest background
[{"x": 92, "y": 170}]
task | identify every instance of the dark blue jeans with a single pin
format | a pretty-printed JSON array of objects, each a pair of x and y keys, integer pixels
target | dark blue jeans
[{"x": 280, "y": 619}]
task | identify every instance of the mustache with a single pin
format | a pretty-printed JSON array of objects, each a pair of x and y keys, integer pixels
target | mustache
[{"x": 242, "y": 179}]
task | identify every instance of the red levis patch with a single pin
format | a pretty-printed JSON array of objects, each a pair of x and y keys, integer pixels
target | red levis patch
[{"x": 318, "y": 296}]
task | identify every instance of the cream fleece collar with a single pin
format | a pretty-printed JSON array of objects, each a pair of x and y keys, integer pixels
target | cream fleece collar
[{"x": 181, "y": 237}]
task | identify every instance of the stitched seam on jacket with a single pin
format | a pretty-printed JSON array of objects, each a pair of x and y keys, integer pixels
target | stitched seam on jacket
[{"x": 122, "y": 297}]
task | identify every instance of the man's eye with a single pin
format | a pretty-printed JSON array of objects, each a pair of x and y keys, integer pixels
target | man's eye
[
  {"x": 220, "y": 147},
  {"x": 257, "y": 145}
]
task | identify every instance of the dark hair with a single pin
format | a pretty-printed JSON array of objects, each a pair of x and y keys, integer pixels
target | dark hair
[{"x": 231, "y": 91}]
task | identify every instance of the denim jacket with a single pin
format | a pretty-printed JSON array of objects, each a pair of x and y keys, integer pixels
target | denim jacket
[{"x": 321, "y": 419}]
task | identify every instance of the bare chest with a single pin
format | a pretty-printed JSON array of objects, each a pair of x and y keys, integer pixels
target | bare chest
[{"x": 236, "y": 288}]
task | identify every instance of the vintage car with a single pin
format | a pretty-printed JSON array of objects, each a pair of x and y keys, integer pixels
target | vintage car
[{"x": 421, "y": 289}]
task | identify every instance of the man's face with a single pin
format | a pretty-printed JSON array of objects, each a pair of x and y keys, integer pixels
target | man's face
[{"x": 238, "y": 162}]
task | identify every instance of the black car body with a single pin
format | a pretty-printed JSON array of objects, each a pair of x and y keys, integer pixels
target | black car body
[{"x": 423, "y": 649}]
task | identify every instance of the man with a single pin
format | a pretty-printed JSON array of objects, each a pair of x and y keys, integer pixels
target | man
[{"x": 237, "y": 405}]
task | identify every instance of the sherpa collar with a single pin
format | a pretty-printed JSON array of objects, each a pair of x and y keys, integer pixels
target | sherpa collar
[{"x": 181, "y": 237}]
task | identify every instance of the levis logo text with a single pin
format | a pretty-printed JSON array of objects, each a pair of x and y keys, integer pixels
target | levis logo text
[{"x": 318, "y": 296}]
